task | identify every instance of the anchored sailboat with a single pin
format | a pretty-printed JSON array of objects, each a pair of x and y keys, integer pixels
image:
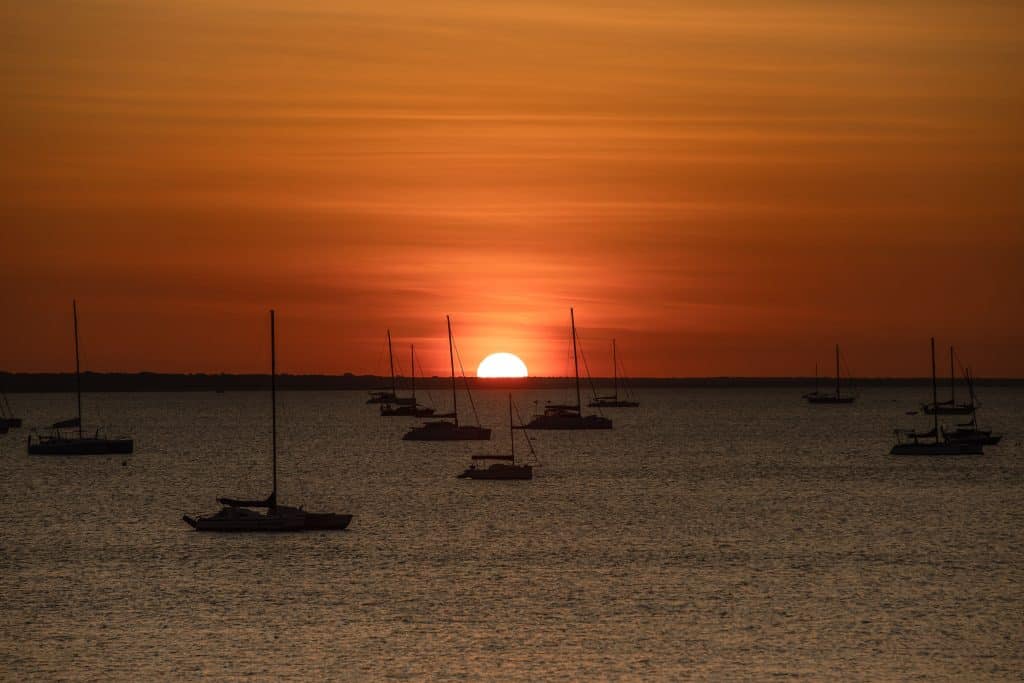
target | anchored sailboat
[
  {"x": 614, "y": 401},
  {"x": 502, "y": 467},
  {"x": 389, "y": 396},
  {"x": 7, "y": 418},
  {"x": 910, "y": 442},
  {"x": 238, "y": 515},
  {"x": 969, "y": 431},
  {"x": 443, "y": 430},
  {"x": 569, "y": 416},
  {"x": 950, "y": 407},
  {"x": 837, "y": 397},
  {"x": 412, "y": 408},
  {"x": 68, "y": 437}
]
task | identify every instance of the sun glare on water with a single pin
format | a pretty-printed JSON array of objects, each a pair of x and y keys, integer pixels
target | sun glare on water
[{"x": 501, "y": 365}]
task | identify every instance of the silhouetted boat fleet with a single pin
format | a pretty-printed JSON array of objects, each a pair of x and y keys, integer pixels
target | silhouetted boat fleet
[
  {"x": 69, "y": 437},
  {"x": 965, "y": 439}
]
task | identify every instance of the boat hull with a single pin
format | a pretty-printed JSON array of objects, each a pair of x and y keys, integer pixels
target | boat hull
[
  {"x": 614, "y": 404},
  {"x": 569, "y": 422},
  {"x": 10, "y": 422},
  {"x": 84, "y": 446},
  {"x": 500, "y": 472},
  {"x": 281, "y": 519},
  {"x": 432, "y": 431},
  {"x": 929, "y": 409},
  {"x": 980, "y": 439},
  {"x": 830, "y": 399},
  {"x": 942, "y": 448}
]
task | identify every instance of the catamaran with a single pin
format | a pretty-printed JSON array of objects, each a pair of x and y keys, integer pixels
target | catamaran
[
  {"x": 950, "y": 407},
  {"x": 822, "y": 397},
  {"x": 69, "y": 437},
  {"x": 502, "y": 467},
  {"x": 443, "y": 430},
  {"x": 244, "y": 515},
  {"x": 569, "y": 416},
  {"x": 389, "y": 396},
  {"x": 413, "y": 408},
  {"x": 613, "y": 401},
  {"x": 910, "y": 442}
]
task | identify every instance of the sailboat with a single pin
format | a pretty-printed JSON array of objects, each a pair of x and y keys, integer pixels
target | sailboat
[
  {"x": 389, "y": 396},
  {"x": 950, "y": 407},
  {"x": 969, "y": 431},
  {"x": 7, "y": 419},
  {"x": 240, "y": 515},
  {"x": 68, "y": 437},
  {"x": 569, "y": 416},
  {"x": 820, "y": 397},
  {"x": 502, "y": 466},
  {"x": 443, "y": 430},
  {"x": 910, "y": 442},
  {"x": 613, "y": 401},
  {"x": 413, "y": 408}
]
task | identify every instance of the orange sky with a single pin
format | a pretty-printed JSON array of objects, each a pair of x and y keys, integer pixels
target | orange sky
[{"x": 724, "y": 187}]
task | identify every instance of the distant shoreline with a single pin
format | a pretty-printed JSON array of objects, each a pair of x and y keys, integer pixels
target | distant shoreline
[{"x": 45, "y": 382}]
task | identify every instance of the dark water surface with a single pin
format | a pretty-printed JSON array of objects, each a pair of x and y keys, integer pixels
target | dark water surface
[{"x": 714, "y": 533}]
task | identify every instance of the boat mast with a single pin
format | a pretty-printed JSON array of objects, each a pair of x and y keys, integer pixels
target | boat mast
[
  {"x": 78, "y": 369},
  {"x": 615, "y": 372},
  {"x": 815, "y": 378},
  {"x": 273, "y": 406},
  {"x": 935, "y": 395},
  {"x": 575, "y": 361},
  {"x": 412, "y": 371},
  {"x": 391, "y": 360},
  {"x": 837, "y": 370},
  {"x": 952, "y": 379},
  {"x": 451, "y": 359},
  {"x": 511, "y": 430}
]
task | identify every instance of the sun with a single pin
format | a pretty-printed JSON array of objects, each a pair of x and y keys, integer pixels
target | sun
[{"x": 502, "y": 365}]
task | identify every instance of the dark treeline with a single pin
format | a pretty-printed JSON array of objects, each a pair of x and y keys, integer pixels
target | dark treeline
[{"x": 151, "y": 381}]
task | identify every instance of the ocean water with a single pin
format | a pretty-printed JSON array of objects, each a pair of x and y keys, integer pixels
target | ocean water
[{"x": 713, "y": 534}]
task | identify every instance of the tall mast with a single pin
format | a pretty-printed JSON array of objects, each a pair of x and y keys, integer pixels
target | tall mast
[
  {"x": 615, "y": 372},
  {"x": 273, "y": 405},
  {"x": 575, "y": 361},
  {"x": 412, "y": 371},
  {"x": 837, "y": 370},
  {"x": 511, "y": 431},
  {"x": 935, "y": 394},
  {"x": 952, "y": 379},
  {"x": 451, "y": 359},
  {"x": 815, "y": 378},
  {"x": 78, "y": 369},
  {"x": 391, "y": 360}
]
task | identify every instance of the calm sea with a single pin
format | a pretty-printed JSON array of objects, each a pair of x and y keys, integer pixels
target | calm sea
[{"x": 714, "y": 533}]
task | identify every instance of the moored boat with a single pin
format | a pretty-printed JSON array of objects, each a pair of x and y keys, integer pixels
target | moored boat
[
  {"x": 443, "y": 430},
  {"x": 613, "y": 401},
  {"x": 69, "y": 437},
  {"x": 820, "y": 397},
  {"x": 569, "y": 416},
  {"x": 502, "y": 467},
  {"x": 245, "y": 515},
  {"x": 911, "y": 442}
]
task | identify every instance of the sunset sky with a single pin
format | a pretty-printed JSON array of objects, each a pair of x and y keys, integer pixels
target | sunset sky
[{"x": 726, "y": 187}]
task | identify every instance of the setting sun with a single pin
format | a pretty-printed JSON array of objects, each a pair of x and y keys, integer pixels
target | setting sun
[{"x": 502, "y": 365}]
